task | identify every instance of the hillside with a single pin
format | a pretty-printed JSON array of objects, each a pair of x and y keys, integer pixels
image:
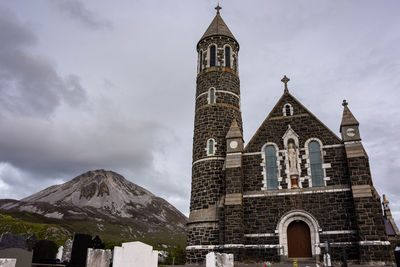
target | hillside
[{"x": 100, "y": 203}]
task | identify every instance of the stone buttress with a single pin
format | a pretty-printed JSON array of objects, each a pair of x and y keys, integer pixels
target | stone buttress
[{"x": 217, "y": 106}]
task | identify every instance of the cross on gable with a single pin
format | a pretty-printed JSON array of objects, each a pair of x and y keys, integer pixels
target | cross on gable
[
  {"x": 345, "y": 103},
  {"x": 285, "y": 80}
]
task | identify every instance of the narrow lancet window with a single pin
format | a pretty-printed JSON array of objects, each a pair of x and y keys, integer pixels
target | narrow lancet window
[
  {"x": 213, "y": 55},
  {"x": 227, "y": 56},
  {"x": 211, "y": 96},
  {"x": 271, "y": 168},
  {"x": 201, "y": 61},
  {"x": 210, "y": 147},
  {"x": 287, "y": 110},
  {"x": 317, "y": 174}
]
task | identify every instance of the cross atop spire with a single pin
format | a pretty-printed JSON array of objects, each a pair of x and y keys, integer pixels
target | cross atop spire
[
  {"x": 285, "y": 80},
  {"x": 345, "y": 103},
  {"x": 218, "y": 8}
]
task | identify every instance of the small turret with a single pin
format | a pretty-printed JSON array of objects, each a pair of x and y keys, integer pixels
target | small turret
[
  {"x": 349, "y": 126},
  {"x": 390, "y": 224}
]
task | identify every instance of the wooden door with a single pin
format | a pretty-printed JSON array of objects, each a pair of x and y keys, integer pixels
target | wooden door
[{"x": 299, "y": 240}]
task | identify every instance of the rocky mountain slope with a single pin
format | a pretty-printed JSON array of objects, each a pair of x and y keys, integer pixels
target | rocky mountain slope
[{"x": 105, "y": 203}]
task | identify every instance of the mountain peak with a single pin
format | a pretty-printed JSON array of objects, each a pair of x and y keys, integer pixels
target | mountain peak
[{"x": 99, "y": 189}]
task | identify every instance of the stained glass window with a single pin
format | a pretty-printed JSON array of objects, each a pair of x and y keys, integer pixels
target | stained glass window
[
  {"x": 317, "y": 174},
  {"x": 272, "y": 169}
]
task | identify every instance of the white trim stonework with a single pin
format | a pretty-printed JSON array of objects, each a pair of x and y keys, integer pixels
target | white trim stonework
[
  {"x": 214, "y": 147},
  {"x": 205, "y": 159},
  {"x": 315, "y": 190},
  {"x": 219, "y": 91},
  {"x": 290, "y": 134},
  {"x": 298, "y": 215},
  {"x": 284, "y": 109}
]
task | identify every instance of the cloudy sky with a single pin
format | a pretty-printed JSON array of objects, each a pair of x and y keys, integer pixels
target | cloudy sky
[{"x": 111, "y": 84}]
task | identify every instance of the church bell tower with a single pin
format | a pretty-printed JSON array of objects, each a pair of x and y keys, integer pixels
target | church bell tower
[{"x": 217, "y": 108}]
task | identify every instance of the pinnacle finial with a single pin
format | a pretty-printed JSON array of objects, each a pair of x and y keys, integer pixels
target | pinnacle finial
[
  {"x": 345, "y": 103},
  {"x": 218, "y": 8},
  {"x": 285, "y": 80}
]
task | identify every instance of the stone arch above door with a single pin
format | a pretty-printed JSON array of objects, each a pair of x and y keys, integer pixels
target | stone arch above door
[{"x": 298, "y": 215}]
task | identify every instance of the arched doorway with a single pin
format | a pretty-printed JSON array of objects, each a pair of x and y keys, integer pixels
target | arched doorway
[{"x": 299, "y": 240}]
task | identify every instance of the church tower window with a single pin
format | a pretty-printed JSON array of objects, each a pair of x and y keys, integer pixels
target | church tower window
[
  {"x": 271, "y": 168},
  {"x": 317, "y": 174},
  {"x": 213, "y": 55},
  {"x": 211, "y": 96},
  {"x": 211, "y": 147},
  {"x": 227, "y": 56}
]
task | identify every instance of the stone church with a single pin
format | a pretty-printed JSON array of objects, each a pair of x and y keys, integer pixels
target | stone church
[{"x": 292, "y": 190}]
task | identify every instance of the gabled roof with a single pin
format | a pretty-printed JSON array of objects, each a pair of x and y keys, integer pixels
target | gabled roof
[
  {"x": 274, "y": 109},
  {"x": 218, "y": 28}
]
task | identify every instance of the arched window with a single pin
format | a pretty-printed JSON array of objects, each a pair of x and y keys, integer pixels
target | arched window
[
  {"x": 211, "y": 96},
  {"x": 210, "y": 147},
  {"x": 213, "y": 55},
  {"x": 271, "y": 168},
  {"x": 287, "y": 110},
  {"x": 201, "y": 61},
  {"x": 227, "y": 56},
  {"x": 317, "y": 174}
]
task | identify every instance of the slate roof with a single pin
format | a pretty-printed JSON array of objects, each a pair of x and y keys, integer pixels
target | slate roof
[{"x": 218, "y": 27}]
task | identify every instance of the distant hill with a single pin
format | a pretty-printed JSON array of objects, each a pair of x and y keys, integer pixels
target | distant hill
[{"x": 100, "y": 203}]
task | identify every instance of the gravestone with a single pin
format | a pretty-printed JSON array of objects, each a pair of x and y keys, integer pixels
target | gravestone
[
  {"x": 9, "y": 240},
  {"x": 97, "y": 243},
  {"x": 12, "y": 246},
  {"x": 23, "y": 256},
  {"x": 214, "y": 259},
  {"x": 135, "y": 254},
  {"x": 44, "y": 251},
  {"x": 66, "y": 256},
  {"x": 8, "y": 262},
  {"x": 80, "y": 247},
  {"x": 60, "y": 253},
  {"x": 98, "y": 258}
]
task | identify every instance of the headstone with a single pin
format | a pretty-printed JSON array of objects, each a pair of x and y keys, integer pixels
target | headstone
[
  {"x": 135, "y": 254},
  {"x": 214, "y": 259},
  {"x": 23, "y": 256},
  {"x": 97, "y": 243},
  {"x": 98, "y": 258},
  {"x": 9, "y": 240},
  {"x": 80, "y": 246},
  {"x": 44, "y": 251},
  {"x": 60, "y": 253},
  {"x": 66, "y": 256},
  {"x": 8, "y": 262}
]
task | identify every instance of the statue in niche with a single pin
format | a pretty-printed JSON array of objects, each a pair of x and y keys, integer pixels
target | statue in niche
[{"x": 293, "y": 171}]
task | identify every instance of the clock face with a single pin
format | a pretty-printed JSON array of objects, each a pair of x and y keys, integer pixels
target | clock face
[
  {"x": 350, "y": 132},
  {"x": 233, "y": 144}
]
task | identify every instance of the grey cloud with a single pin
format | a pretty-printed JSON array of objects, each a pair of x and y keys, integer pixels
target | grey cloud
[
  {"x": 77, "y": 10},
  {"x": 29, "y": 84}
]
